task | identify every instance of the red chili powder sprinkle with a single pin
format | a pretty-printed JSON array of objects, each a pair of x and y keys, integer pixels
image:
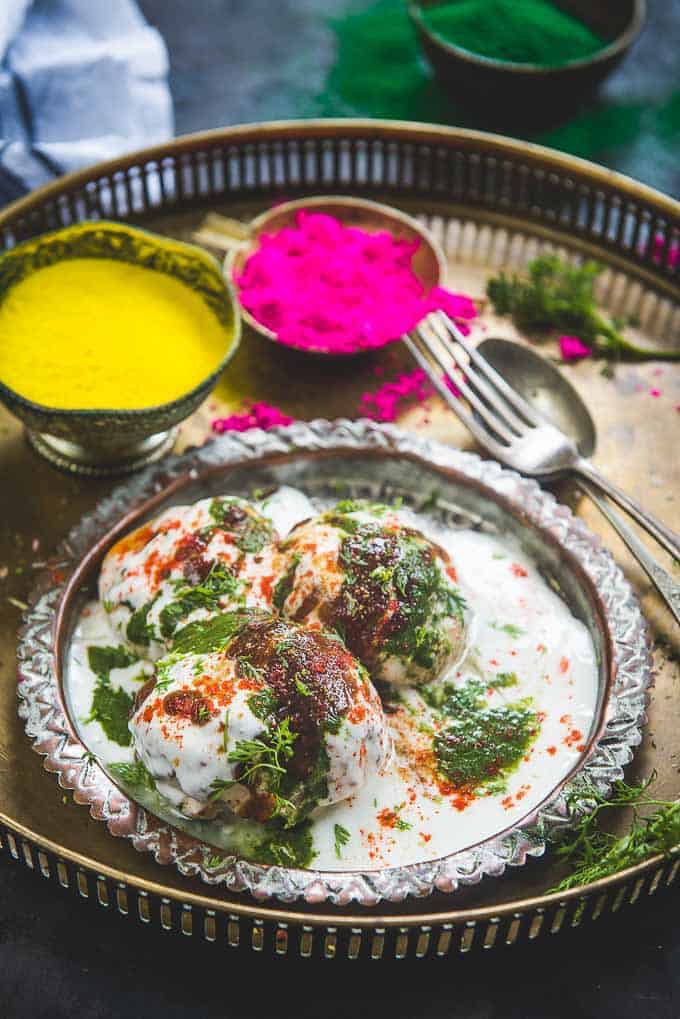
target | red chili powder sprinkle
[
  {"x": 574, "y": 737},
  {"x": 321, "y": 285},
  {"x": 388, "y": 818}
]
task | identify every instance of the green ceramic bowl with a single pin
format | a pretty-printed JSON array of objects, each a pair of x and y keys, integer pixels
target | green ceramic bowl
[{"x": 111, "y": 441}]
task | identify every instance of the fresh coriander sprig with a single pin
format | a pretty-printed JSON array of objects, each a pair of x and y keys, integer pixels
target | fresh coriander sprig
[
  {"x": 257, "y": 754},
  {"x": 556, "y": 295},
  {"x": 594, "y": 853},
  {"x": 342, "y": 837}
]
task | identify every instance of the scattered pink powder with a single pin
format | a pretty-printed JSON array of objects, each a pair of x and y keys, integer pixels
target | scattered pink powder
[
  {"x": 655, "y": 392},
  {"x": 673, "y": 256},
  {"x": 320, "y": 285},
  {"x": 573, "y": 349},
  {"x": 258, "y": 415},
  {"x": 385, "y": 403}
]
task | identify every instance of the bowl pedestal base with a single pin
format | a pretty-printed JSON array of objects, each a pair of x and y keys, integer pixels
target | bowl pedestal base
[{"x": 78, "y": 459}]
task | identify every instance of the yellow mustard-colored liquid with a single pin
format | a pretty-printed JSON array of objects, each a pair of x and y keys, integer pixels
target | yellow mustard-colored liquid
[{"x": 97, "y": 333}]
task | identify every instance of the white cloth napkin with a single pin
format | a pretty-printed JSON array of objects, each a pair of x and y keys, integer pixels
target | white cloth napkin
[{"x": 80, "y": 81}]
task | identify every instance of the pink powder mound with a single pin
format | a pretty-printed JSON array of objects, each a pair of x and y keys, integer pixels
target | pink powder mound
[
  {"x": 259, "y": 415},
  {"x": 573, "y": 349},
  {"x": 336, "y": 289}
]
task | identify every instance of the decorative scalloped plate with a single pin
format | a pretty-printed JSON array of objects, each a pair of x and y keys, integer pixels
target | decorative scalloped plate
[{"x": 589, "y": 580}]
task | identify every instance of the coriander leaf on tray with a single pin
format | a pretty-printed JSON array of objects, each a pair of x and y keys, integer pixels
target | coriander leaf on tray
[{"x": 556, "y": 295}]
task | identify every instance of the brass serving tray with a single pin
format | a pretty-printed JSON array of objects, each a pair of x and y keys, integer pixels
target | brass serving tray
[{"x": 492, "y": 202}]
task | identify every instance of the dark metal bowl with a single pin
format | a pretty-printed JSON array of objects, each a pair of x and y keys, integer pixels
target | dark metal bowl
[
  {"x": 108, "y": 440},
  {"x": 532, "y": 92}
]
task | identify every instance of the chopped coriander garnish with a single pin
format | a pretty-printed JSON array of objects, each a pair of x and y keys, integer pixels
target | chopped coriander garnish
[
  {"x": 111, "y": 706},
  {"x": 302, "y": 687},
  {"x": 102, "y": 660},
  {"x": 135, "y": 774},
  {"x": 204, "y": 715},
  {"x": 504, "y": 679},
  {"x": 247, "y": 669},
  {"x": 342, "y": 837},
  {"x": 595, "y": 854},
  {"x": 262, "y": 704},
  {"x": 284, "y": 585},
  {"x": 258, "y": 754},
  {"x": 287, "y": 848},
  {"x": 509, "y": 628},
  {"x": 220, "y": 583},
  {"x": 218, "y": 787},
  {"x": 139, "y": 630}
]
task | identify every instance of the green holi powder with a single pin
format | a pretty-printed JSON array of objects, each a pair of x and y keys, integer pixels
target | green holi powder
[
  {"x": 519, "y": 31},
  {"x": 379, "y": 71}
]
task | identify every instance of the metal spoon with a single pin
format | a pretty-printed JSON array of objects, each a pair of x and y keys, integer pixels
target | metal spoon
[{"x": 550, "y": 393}]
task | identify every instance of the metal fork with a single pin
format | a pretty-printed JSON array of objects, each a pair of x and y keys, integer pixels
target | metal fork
[{"x": 517, "y": 435}]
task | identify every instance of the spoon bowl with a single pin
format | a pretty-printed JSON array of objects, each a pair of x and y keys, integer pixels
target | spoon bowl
[{"x": 542, "y": 385}]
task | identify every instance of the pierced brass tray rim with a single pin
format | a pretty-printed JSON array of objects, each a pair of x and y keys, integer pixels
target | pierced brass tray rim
[
  {"x": 303, "y": 130},
  {"x": 53, "y": 203},
  {"x": 241, "y": 905},
  {"x": 609, "y": 745}
]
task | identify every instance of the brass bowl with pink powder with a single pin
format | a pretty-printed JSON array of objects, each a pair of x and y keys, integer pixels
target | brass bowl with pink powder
[{"x": 241, "y": 241}]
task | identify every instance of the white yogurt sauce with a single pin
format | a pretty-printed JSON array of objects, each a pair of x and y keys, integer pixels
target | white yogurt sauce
[{"x": 519, "y": 625}]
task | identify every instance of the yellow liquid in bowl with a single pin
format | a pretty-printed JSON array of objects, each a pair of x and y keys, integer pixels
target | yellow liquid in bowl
[{"x": 95, "y": 333}]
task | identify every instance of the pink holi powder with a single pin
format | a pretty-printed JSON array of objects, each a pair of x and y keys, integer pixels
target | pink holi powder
[
  {"x": 258, "y": 415},
  {"x": 385, "y": 403},
  {"x": 673, "y": 254},
  {"x": 655, "y": 392},
  {"x": 573, "y": 349},
  {"x": 320, "y": 285}
]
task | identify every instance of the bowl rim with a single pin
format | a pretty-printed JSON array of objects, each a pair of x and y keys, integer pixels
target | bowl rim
[
  {"x": 622, "y": 694},
  {"x": 15, "y": 399},
  {"x": 259, "y": 224},
  {"x": 617, "y": 46}
]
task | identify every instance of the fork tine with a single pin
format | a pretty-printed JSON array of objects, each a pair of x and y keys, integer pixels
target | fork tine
[
  {"x": 490, "y": 395},
  {"x": 481, "y": 435},
  {"x": 520, "y": 405},
  {"x": 492, "y": 419}
]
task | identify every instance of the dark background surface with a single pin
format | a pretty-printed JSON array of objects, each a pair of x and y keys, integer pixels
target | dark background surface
[{"x": 245, "y": 60}]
